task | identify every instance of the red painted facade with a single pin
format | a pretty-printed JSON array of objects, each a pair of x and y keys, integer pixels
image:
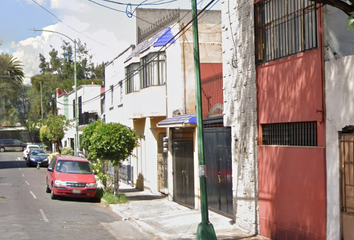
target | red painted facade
[
  {"x": 292, "y": 180},
  {"x": 211, "y": 84}
]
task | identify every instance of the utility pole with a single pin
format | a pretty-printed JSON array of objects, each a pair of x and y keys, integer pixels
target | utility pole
[
  {"x": 205, "y": 229},
  {"x": 76, "y": 140}
]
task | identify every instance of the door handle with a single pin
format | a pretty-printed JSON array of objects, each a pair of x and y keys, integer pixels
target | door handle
[{"x": 220, "y": 178}]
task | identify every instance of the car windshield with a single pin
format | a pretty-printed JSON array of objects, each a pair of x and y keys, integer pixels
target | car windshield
[
  {"x": 73, "y": 167},
  {"x": 38, "y": 153}
]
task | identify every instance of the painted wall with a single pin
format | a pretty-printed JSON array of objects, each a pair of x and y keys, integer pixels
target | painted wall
[
  {"x": 338, "y": 55},
  {"x": 292, "y": 193},
  {"x": 292, "y": 88},
  {"x": 150, "y": 101},
  {"x": 114, "y": 73},
  {"x": 338, "y": 41},
  {"x": 292, "y": 183},
  {"x": 91, "y": 102},
  {"x": 240, "y": 108},
  {"x": 211, "y": 84},
  {"x": 339, "y": 75},
  {"x": 181, "y": 71},
  {"x": 91, "y": 99}
]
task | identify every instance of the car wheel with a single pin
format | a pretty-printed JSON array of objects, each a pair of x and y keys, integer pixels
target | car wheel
[
  {"x": 95, "y": 199},
  {"x": 52, "y": 195},
  {"x": 47, "y": 189},
  {"x": 2, "y": 149}
]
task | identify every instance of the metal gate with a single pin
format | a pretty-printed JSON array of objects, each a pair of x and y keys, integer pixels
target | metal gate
[
  {"x": 183, "y": 173},
  {"x": 347, "y": 184},
  {"x": 217, "y": 147}
]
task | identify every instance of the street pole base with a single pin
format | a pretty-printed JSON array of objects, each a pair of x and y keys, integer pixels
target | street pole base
[{"x": 205, "y": 231}]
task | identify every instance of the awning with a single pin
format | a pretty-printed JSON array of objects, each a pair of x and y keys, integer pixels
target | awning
[
  {"x": 187, "y": 120},
  {"x": 166, "y": 38}
]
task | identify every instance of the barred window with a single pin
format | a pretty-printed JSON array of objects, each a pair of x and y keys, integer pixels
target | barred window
[
  {"x": 153, "y": 70},
  {"x": 284, "y": 28},
  {"x": 112, "y": 94},
  {"x": 132, "y": 78},
  {"x": 293, "y": 134}
]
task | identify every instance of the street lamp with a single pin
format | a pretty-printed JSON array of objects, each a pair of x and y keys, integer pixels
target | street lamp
[{"x": 76, "y": 142}]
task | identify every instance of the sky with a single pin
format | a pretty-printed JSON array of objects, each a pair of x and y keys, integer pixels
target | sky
[{"x": 106, "y": 32}]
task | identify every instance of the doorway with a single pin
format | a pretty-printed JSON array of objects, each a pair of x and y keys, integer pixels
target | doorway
[
  {"x": 217, "y": 146},
  {"x": 347, "y": 184},
  {"x": 183, "y": 172}
]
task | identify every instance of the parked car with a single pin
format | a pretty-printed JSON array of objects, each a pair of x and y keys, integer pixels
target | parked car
[
  {"x": 37, "y": 156},
  {"x": 11, "y": 145},
  {"x": 70, "y": 176},
  {"x": 27, "y": 149}
]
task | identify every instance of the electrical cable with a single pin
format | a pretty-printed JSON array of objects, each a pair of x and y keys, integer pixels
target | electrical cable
[
  {"x": 136, "y": 71},
  {"x": 67, "y": 24}
]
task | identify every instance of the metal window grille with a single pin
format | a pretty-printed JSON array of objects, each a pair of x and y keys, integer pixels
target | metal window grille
[
  {"x": 293, "y": 134},
  {"x": 112, "y": 90},
  {"x": 284, "y": 28},
  {"x": 153, "y": 70},
  {"x": 74, "y": 108},
  {"x": 131, "y": 76}
]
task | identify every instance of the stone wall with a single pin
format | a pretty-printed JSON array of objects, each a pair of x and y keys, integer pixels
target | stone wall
[{"x": 240, "y": 107}]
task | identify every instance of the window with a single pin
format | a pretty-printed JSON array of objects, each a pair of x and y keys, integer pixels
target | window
[
  {"x": 74, "y": 113},
  {"x": 80, "y": 105},
  {"x": 120, "y": 92},
  {"x": 293, "y": 134},
  {"x": 284, "y": 27},
  {"x": 153, "y": 70},
  {"x": 112, "y": 89},
  {"x": 132, "y": 78}
]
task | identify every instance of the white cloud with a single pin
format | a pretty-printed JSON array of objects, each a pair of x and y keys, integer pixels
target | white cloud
[
  {"x": 102, "y": 43},
  {"x": 73, "y": 5}
]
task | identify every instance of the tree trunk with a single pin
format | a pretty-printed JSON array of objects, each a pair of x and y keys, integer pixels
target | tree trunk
[{"x": 116, "y": 181}]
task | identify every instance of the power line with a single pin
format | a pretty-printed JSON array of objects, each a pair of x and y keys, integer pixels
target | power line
[
  {"x": 129, "y": 14},
  {"x": 176, "y": 36},
  {"x": 67, "y": 24}
]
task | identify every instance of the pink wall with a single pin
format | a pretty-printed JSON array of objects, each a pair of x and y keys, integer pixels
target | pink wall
[
  {"x": 289, "y": 86},
  {"x": 211, "y": 84},
  {"x": 292, "y": 195},
  {"x": 292, "y": 180}
]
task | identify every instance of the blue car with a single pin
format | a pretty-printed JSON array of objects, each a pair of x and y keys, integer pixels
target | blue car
[{"x": 37, "y": 156}]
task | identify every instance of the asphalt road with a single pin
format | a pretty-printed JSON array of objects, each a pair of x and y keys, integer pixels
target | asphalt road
[{"x": 27, "y": 212}]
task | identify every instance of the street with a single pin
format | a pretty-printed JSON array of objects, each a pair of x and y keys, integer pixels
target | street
[{"x": 27, "y": 212}]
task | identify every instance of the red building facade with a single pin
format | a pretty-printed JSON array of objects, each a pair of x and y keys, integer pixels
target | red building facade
[{"x": 291, "y": 126}]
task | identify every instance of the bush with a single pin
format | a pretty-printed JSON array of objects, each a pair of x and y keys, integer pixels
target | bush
[
  {"x": 67, "y": 151},
  {"x": 110, "y": 198},
  {"x": 50, "y": 156},
  {"x": 105, "y": 179}
]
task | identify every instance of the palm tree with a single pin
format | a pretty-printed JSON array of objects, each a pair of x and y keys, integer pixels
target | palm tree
[{"x": 11, "y": 80}]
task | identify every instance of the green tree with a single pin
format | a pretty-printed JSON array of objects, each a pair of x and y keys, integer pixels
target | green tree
[
  {"x": 43, "y": 65},
  {"x": 53, "y": 130},
  {"x": 113, "y": 142},
  {"x": 11, "y": 79}
]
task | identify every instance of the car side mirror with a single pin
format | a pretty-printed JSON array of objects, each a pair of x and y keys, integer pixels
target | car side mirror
[{"x": 50, "y": 169}]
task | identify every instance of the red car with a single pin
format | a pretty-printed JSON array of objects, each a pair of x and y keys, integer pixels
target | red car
[{"x": 70, "y": 176}]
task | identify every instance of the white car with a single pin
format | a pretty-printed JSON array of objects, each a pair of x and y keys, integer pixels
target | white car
[{"x": 28, "y": 148}]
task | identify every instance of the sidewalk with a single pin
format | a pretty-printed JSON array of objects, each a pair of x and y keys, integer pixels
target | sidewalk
[{"x": 155, "y": 217}]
